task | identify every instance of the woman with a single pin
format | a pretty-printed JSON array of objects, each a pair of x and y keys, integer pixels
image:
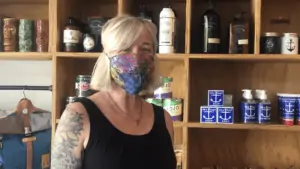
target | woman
[{"x": 115, "y": 128}]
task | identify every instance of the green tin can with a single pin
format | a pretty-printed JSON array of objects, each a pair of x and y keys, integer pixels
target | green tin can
[
  {"x": 157, "y": 102},
  {"x": 174, "y": 108},
  {"x": 82, "y": 86},
  {"x": 26, "y": 35},
  {"x": 164, "y": 91}
]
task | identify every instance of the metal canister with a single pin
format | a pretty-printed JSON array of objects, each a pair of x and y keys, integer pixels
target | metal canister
[
  {"x": 164, "y": 91},
  {"x": 71, "y": 99},
  {"x": 289, "y": 43},
  {"x": 270, "y": 43},
  {"x": 82, "y": 86},
  {"x": 157, "y": 102},
  {"x": 174, "y": 108}
]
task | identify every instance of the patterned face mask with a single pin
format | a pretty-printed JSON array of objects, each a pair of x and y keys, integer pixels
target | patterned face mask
[{"x": 129, "y": 72}]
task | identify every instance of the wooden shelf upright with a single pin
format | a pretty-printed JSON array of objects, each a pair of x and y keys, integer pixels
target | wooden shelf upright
[{"x": 204, "y": 145}]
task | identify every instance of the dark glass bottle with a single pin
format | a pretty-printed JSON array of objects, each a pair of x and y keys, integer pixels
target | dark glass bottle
[
  {"x": 210, "y": 40},
  {"x": 239, "y": 35},
  {"x": 145, "y": 13},
  {"x": 72, "y": 36}
]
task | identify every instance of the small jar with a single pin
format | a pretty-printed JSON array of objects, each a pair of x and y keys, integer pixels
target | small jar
[
  {"x": 289, "y": 43},
  {"x": 270, "y": 43},
  {"x": 41, "y": 35}
]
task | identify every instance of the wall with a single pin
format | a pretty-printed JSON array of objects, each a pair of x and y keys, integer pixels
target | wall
[{"x": 25, "y": 73}]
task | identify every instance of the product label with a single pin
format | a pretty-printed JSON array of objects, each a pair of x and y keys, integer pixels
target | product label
[
  {"x": 88, "y": 43},
  {"x": 174, "y": 110},
  {"x": 215, "y": 97},
  {"x": 269, "y": 45},
  {"x": 288, "y": 108},
  {"x": 243, "y": 42},
  {"x": 289, "y": 45},
  {"x": 166, "y": 31},
  {"x": 82, "y": 86},
  {"x": 264, "y": 112},
  {"x": 166, "y": 88},
  {"x": 248, "y": 111},
  {"x": 225, "y": 115},
  {"x": 214, "y": 40},
  {"x": 208, "y": 114},
  {"x": 72, "y": 36}
]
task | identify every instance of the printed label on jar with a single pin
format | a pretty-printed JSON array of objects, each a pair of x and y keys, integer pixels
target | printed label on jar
[
  {"x": 72, "y": 36},
  {"x": 167, "y": 31},
  {"x": 289, "y": 45},
  {"x": 243, "y": 41},
  {"x": 214, "y": 40},
  {"x": 174, "y": 110},
  {"x": 82, "y": 86},
  {"x": 88, "y": 43}
]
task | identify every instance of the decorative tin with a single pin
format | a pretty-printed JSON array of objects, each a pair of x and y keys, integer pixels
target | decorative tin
[
  {"x": 288, "y": 108},
  {"x": 41, "y": 35},
  {"x": 289, "y": 43},
  {"x": 270, "y": 43},
  {"x": 82, "y": 85},
  {"x": 157, "y": 102},
  {"x": 164, "y": 91},
  {"x": 25, "y": 35},
  {"x": 174, "y": 107},
  {"x": 1, "y": 34},
  {"x": 10, "y": 34}
]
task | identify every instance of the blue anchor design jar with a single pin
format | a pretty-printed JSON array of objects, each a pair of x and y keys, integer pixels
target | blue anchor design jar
[
  {"x": 248, "y": 107},
  {"x": 289, "y": 43}
]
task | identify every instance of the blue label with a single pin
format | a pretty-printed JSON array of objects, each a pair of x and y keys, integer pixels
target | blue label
[
  {"x": 225, "y": 115},
  {"x": 264, "y": 112},
  {"x": 297, "y": 113},
  {"x": 288, "y": 108},
  {"x": 248, "y": 112},
  {"x": 215, "y": 97},
  {"x": 208, "y": 114}
]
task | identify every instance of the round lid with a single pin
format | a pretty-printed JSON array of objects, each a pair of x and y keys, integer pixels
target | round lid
[
  {"x": 271, "y": 34},
  {"x": 247, "y": 94}
]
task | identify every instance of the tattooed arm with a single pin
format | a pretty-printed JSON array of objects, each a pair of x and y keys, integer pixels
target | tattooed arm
[{"x": 69, "y": 139}]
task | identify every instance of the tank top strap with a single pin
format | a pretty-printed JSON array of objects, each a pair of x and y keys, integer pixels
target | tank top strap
[{"x": 159, "y": 118}]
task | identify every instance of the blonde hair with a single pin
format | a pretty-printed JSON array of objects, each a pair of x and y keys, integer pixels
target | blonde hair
[{"x": 118, "y": 35}]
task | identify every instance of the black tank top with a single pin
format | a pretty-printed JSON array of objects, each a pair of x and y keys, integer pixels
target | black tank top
[{"x": 109, "y": 148}]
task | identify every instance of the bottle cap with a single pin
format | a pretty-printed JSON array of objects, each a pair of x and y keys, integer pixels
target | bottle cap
[
  {"x": 257, "y": 93},
  {"x": 247, "y": 94},
  {"x": 262, "y": 95}
]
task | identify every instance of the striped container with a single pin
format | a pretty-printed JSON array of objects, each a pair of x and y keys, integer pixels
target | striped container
[
  {"x": 174, "y": 108},
  {"x": 164, "y": 91}
]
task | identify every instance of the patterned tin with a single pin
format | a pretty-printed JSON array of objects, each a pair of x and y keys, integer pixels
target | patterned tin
[
  {"x": 287, "y": 107},
  {"x": 157, "y": 102},
  {"x": 26, "y": 33},
  {"x": 82, "y": 85},
  {"x": 164, "y": 91},
  {"x": 289, "y": 43},
  {"x": 174, "y": 107}
]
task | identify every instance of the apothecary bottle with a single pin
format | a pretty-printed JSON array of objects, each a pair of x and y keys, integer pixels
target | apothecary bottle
[
  {"x": 41, "y": 35},
  {"x": 10, "y": 35},
  {"x": 72, "y": 36},
  {"x": 25, "y": 35},
  {"x": 210, "y": 31},
  {"x": 239, "y": 35}
]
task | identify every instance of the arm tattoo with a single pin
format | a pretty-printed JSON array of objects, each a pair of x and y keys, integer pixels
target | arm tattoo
[{"x": 66, "y": 140}]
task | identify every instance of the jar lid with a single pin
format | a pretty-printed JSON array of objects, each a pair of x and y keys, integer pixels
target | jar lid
[
  {"x": 290, "y": 34},
  {"x": 271, "y": 34}
]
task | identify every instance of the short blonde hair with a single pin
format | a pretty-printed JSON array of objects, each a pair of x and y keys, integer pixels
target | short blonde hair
[{"x": 117, "y": 35}]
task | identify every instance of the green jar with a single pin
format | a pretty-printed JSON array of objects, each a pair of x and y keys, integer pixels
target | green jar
[{"x": 26, "y": 33}]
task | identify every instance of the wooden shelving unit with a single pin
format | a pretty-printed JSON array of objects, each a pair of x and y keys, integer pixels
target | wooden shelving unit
[{"x": 205, "y": 145}]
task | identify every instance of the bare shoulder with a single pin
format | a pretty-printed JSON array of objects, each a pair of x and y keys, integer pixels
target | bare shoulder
[
  {"x": 169, "y": 124},
  {"x": 69, "y": 138}
]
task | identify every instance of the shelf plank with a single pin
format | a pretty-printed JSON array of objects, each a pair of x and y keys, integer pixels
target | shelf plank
[
  {"x": 276, "y": 127},
  {"x": 96, "y": 55},
  {"x": 262, "y": 57},
  {"x": 25, "y": 56}
]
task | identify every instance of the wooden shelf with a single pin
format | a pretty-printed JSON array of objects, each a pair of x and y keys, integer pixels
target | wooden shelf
[
  {"x": 250, "y": 57},
  {"x": 275, "y": 127},
  {"x": 174, "y": 56},
  {"x": 25, "y": 56}
]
